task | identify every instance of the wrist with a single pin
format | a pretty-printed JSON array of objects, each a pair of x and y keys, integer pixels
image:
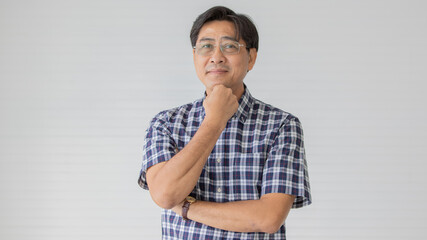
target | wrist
[
  {"x": 178, "y": 208},
  {"x": 214, "y": 123},
  {"x": 186, "y": 206}
]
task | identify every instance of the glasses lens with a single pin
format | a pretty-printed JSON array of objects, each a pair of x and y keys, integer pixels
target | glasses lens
[
  {"x": 230, "y": 47},
  {"x": 205, "y": 48},
  {"x": 227, "y": 47}
]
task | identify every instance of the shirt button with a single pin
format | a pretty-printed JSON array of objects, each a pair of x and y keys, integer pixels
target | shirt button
[
  {"x": 219, "y": 190},
  {"x": 218, "y": 160}
]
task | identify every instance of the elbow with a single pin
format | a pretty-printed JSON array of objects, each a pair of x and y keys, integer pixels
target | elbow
[
  {"x": 271, "y": 224},
  {"x": 272, "y": 229},
  {"x": 162, "y": 195},
  {"x": 163, "y": 200},
  {"x": 165, "y": 204}
]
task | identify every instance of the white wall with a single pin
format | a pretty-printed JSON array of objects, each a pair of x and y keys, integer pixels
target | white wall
[{"x": 80, "y": 80}]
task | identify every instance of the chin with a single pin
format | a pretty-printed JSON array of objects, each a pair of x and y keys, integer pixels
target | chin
[{"x": 212, "y": 83}]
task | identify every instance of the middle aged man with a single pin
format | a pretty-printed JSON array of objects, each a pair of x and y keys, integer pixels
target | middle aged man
[{"x": 226, "y": 166}]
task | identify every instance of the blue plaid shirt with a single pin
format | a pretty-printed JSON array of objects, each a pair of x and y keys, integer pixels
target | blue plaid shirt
[{"x": 260, "y": 151}]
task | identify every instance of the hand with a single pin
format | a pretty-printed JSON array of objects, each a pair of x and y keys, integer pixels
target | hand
[{"x": 220, "y": 105}]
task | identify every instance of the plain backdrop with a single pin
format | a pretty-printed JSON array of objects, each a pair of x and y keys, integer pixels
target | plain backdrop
[{"x": 80, "y": 80}]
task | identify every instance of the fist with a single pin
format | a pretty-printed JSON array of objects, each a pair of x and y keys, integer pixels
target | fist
[{"x": 221, "y": 104}]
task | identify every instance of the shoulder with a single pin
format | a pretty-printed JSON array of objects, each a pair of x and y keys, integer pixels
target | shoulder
[
  {"x": 272, "y": 114},
  {"x": 180, "y": 113}
]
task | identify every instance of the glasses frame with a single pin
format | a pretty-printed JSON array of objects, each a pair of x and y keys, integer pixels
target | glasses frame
[{"x": 221, "y": 48}]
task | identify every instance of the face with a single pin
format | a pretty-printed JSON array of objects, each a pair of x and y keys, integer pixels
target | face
[{"x": 217, "y": 68}]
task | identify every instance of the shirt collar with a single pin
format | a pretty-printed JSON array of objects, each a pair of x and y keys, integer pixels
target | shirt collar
[{"x": 245, "y": 105}]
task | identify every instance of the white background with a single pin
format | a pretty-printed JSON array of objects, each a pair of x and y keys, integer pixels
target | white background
[{"x": 80, "y": 80}]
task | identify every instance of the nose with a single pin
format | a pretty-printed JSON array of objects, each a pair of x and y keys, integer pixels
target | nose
[{"x": 217, "y": 56}]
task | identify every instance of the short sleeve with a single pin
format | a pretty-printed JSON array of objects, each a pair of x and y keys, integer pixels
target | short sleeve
[
  {"x": 158, "y": 147},
  {"x": 285, "y": 170}
]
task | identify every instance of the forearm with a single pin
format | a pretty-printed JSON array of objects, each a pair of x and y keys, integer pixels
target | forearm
[
  {"x": 264, "y": 215},
  {"x": 171, "y": 181},
  {"x": 232, "y": 216}
]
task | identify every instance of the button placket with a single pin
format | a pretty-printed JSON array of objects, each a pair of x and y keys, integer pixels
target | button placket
[{"x": 219, "y": 168}]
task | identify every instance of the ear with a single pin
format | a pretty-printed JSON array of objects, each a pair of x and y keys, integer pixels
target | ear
[{"x": 252, "y": 58}]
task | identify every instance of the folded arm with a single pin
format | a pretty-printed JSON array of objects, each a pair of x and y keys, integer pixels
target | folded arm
[
  {"x": 264, "y": 215},
  {"x": 171, "y": 181}
]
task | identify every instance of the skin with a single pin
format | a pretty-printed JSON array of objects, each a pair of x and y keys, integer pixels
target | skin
[
  {"x": 220, "y": 69},
  {"x": 171, "y": 181}
]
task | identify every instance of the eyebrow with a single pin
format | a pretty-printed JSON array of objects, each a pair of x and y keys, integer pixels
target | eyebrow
[{"x": 213, "y": 40}]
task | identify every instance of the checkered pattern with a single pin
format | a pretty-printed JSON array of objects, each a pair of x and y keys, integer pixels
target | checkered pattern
[{"x": 260, "y": 151}]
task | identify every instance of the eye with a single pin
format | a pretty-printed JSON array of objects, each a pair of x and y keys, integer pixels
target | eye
[
  {"x": 230, "y": 46},
  {"x": 206, "y": 45}
]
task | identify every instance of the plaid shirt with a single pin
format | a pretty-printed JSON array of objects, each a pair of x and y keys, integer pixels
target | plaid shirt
[{"x": 260, "y": 151}]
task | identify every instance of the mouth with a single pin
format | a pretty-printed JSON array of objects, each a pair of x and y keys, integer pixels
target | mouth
[{"x": 217, "y": 70}]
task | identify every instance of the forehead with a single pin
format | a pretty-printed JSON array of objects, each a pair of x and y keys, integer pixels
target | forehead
[{"x": 216, "y": 30}]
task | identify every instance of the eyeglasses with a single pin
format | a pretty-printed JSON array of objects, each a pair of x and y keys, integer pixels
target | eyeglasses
[{"x": 228, "y": 47}]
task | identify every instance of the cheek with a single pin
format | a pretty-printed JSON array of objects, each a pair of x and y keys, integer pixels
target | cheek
[
  {"x": 197, "y": 66},
  {"x": 240, "y": 67},
  {"x": 200, "y": 63},
  {"x": 200, "y": 68}
]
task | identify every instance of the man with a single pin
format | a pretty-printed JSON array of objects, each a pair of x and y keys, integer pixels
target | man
[{"x": 226, "y": 166}]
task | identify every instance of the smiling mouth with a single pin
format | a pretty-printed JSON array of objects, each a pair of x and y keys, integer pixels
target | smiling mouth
[{"x": 218, "y": 71}]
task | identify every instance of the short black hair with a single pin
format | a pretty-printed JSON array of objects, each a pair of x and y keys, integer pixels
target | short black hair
[{"x": 243, "y": 25}]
